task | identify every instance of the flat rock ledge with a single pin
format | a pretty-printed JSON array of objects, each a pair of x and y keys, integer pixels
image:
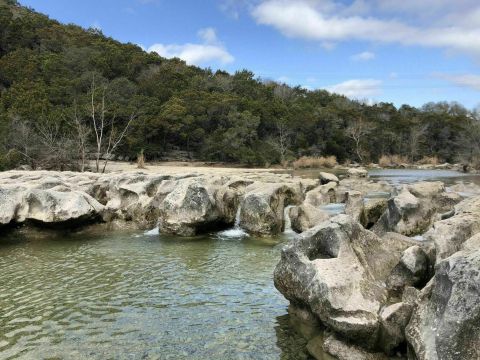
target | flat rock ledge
[{"x": 184, "y": 204}]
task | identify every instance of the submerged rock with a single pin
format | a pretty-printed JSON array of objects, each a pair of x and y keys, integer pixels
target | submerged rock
[
  {"x": 339, "y": 349},
  {"x": 357, "y": 172}
]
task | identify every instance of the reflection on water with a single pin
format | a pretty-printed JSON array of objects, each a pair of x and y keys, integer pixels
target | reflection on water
[
  {"x": 120, "y": 295},
  {"x": 407, "y": 176}
]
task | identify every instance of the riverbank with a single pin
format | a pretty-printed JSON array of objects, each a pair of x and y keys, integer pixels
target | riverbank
[{"x": 368, "y": 263}]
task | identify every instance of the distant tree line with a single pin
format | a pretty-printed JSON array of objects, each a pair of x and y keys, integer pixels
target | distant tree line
[{"x": 67, "y": 94}]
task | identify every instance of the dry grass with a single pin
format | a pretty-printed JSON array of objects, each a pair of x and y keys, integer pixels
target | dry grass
[
  {"x": 429, "y": 160},
  {"x": 315, "y": 162},
  {"x": 392, "y": 160}
]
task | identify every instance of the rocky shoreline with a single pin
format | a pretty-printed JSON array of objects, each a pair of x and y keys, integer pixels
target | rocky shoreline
[{"x": 360, "y": 277}]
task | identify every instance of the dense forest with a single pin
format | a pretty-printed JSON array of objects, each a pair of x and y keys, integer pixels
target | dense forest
[{"x": 68, "y": 93}]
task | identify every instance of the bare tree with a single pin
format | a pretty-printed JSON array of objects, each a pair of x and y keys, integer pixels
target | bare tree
[
  {"x": 22, "y": 140},
  {"x": 100, "y": 124},
  {"x": 281, "y": 141},
  {"x": 83, "y": 132},
  {"x": 57, "y": 147},
  {"x": 415, "y": 135},
  {"x": 357, "y": 130},
  {"x": 116, "y": 138}
]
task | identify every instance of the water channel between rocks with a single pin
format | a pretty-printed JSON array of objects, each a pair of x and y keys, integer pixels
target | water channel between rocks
[{"x": 94, "y": 294}]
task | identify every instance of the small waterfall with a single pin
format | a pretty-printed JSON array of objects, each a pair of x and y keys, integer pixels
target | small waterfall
[
  {"x": 153, "y": 232},
  {"x": 287, "y": 220},
  {"x": 237, "y": 217},
  {"x": 236, "y": 231}
]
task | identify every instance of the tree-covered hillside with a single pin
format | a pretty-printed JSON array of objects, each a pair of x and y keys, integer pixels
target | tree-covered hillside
[{"x": 56, "y": 79}]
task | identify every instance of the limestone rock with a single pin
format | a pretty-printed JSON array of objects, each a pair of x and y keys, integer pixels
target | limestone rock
[
  {"x": 450, "y": 234},
  {"x": 55, "y": 207},
  {"x": 412, "y": 270},
  {"x": 325, "y": 178},
  {"x": 394, "y": 318},
  {"x": 446, "y": 321},
  {"x": 354, "y": 204},
  {"x": 306, "y": 216},
  {"x": 190, "y": 209},
  {"x": 337, "y": 270},
  {"x": 357, "y": 172},
  {"x": 262, "y": 209},
  {"x": 322, "y": 195},
  {"x": 340, "y": 350},
  {"x": 416, "y": 208}
]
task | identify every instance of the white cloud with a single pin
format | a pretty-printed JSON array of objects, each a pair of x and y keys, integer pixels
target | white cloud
[
  {"x": 208, "y": 35},
  {"x": 211, "y": 50},
  {"x": 464, "y": 80},
  {"x": 445, "y": 24},
  {"x": 363, "y": 56},
  {"x": 357, "y": 88}
]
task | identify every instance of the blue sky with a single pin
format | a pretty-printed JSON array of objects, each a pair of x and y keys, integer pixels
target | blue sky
[{"x": 409, "y": 51}]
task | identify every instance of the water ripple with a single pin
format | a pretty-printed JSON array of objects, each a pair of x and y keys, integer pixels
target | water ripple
[{"x": 141, "y": 296}]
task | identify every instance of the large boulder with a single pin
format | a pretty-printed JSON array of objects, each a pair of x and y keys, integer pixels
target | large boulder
[
  {"x": 415, "y": 208},
  {"x": 191, "y": 208},
  {"x": 450, "y": 234},
  {"x": 337, "y": 270},
  {"x": 354, "y": 204},
  {"x": 136, "y": 197},
  {"x": 262, "y": 209},
  {"x": 12, "y": 199},
  {"x": 446, "y": 321},
  {"x": 50, "y": 207},
  {"x": 306, "y": 216},
  {"x": 322, "y": 195},
  {"x": 373, "y": 209},
  {"x": 412, "y": 270}
]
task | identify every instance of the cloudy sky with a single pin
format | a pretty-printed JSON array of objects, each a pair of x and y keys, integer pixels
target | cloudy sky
[{"x": 408, "y": 51}]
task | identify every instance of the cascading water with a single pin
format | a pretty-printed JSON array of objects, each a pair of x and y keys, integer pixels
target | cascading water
[
  {"x": 236, "y": 231},
  {"x": 154, "y": 232},
  {"x": 288, "y": 222}
]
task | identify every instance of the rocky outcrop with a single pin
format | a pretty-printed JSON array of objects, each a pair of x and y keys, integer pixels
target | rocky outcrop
[
  {"x": 450, "y": 234},
  {"x": 415, "y": 208},
  {"x": 40, "y": 204},
  {"x": 305, "y": 217},
  {"x": 191, "y": 209},
  {"x": 412, "y": 270},
  {"x": 338, "y": 270},
  {"x": 183, "y": 203},
  {"x": 446, "y": 321},
  {"x": 322, "y": 195},
  {"x": 354, "y": 204},
  {"x": 262, "y": 209},
  {"x": 373, "y": 209}
]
